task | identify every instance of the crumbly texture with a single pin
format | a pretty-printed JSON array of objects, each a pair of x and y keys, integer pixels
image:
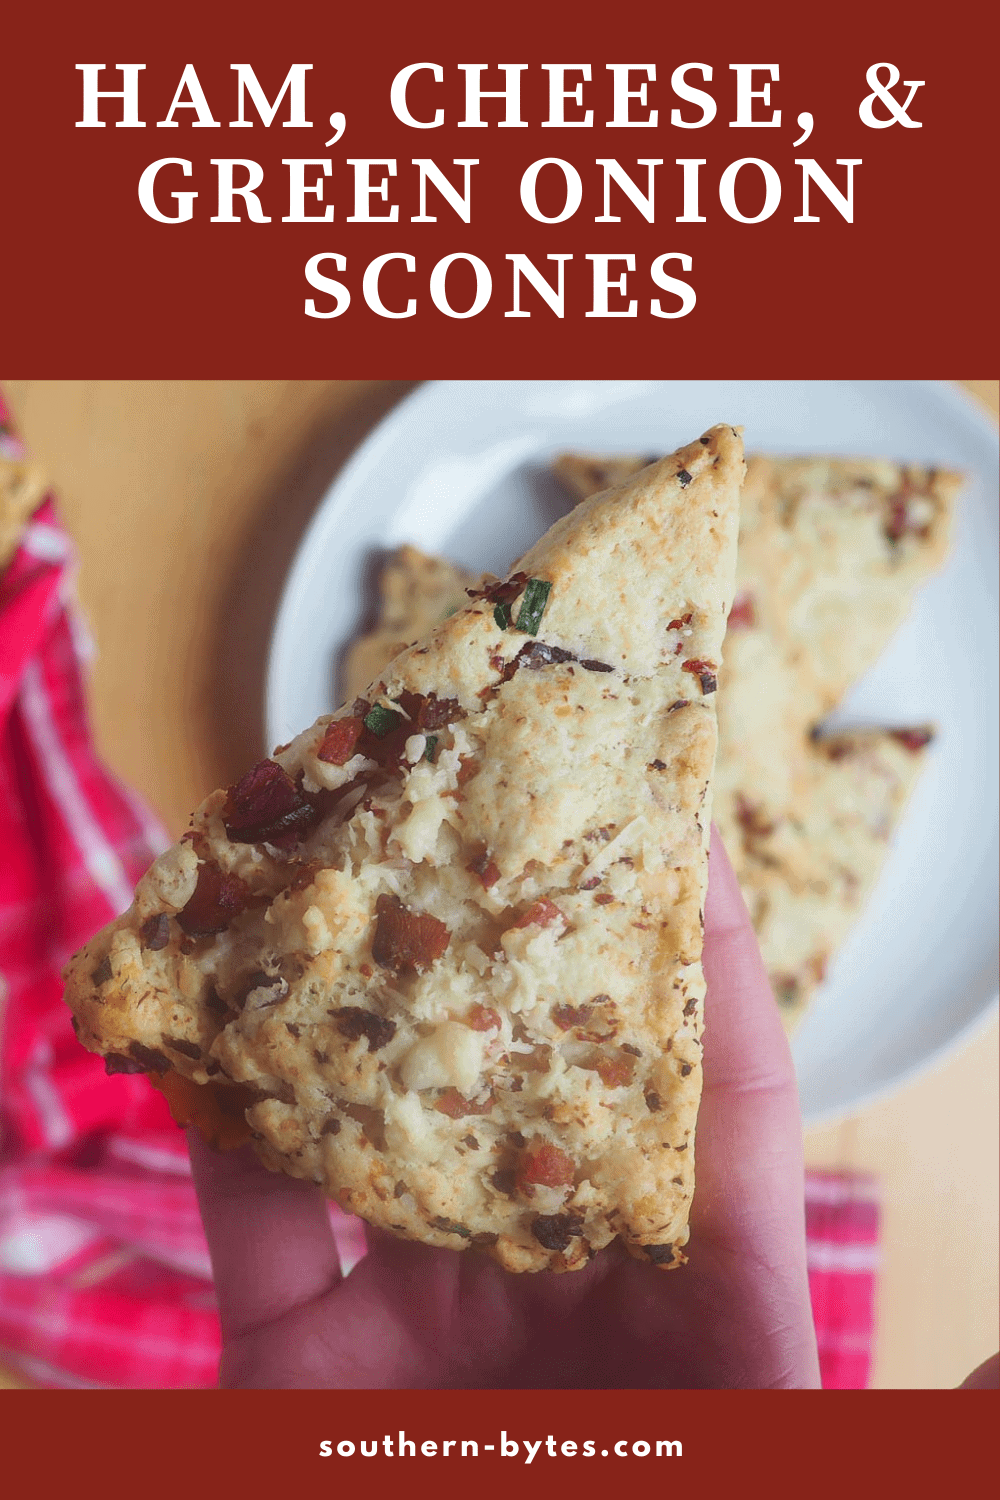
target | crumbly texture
[
  {"x": 808, "y": 820},
  {"x": 22, "y": 490},
  {"x": 443, "y": 951},
  {"x": 831, "y": 552}
]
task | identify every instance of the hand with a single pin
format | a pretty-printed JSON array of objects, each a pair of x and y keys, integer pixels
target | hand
[
  {"x": 985, "y": 1377},
  {"x": 738, "y": 1315}
]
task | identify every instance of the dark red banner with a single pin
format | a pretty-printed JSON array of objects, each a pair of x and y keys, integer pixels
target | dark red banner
[
  {"x": 757, "y": 191},
  {"x": 534, "y": 1443}
]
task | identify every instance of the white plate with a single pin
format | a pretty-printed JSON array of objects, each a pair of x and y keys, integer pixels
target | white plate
[{"x": 460, "y": 469}]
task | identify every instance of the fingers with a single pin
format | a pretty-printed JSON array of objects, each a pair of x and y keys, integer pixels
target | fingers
[
  {"x": 985, "y": 1377},
  {"x": 749, "y": 1205},
  {"x": 269, "y": 1236},
  {"x": 747, "y": 1047},
  {"x": 749, "y": 1121}
]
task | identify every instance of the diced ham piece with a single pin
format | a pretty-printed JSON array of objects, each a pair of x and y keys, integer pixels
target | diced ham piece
[
  {"x": 501, "y": 592},
  {"x": 912, "y": 739},
  {"x": 704, "y": 671},
  {"x": 353, "y": 1022},
  {"x": 751, "y": 819},
  {"x": 483, "y": 1018},
  {"x": 456, "y": 1107},
  {"x": 566, "y": 1016},
  {"x": 267, "y": 807},
  {"x": 615, "y": 1072},
  {"x": 542, "y": 914},
  {"x": 431, "y": 712},
  {"x": 216, "y": 901},
  {"x": 406, "y": 939},
  {"x": 415, "y": 714},
  {"x": 899, "y": 519},
  {"x": 548, "y": 1166},
  {"x": 262, "y": 796},
  {"x": 340, "y": 741},
  {"x": 486, "y": 868}
]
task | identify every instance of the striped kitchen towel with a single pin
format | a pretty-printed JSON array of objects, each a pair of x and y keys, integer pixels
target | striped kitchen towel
[
  {"x": 842, "y": 1247},
  {"x": 104, "y": 1271}
]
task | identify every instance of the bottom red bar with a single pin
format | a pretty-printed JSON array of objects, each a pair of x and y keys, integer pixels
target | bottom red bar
[{"x": 185, "y": 1443}]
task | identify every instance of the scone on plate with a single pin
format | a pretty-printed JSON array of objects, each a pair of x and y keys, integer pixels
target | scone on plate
[
  {"x": 415, "y": 592},
  {"x": 442, "y": 952},
  {"x": 831, "y": 551},
  {"x": 806, "y": 876}
]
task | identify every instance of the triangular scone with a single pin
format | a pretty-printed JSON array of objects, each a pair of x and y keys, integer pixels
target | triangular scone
[
  {"x": 586, "y": 474},
  {"x": 831, "y": 551},
  {"x": 839, "y": 546},
  {"x": 831, "y": 554},
  {"x": 445, "y": 947},
  {"x": 806, "y": 877},
  {"x": 807, "y": 823},
  {"x": 415, "y": 593}
]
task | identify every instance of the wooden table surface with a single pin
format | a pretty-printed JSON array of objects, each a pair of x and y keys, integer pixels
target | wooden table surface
[{"x": 186, "y": 501}]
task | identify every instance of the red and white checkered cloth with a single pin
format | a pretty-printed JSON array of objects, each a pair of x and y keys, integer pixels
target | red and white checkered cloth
[{"x": 104, "y": 1271}]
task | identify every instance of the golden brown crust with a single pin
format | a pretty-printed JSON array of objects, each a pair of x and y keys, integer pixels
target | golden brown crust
[{"x": 450, "y": 937}]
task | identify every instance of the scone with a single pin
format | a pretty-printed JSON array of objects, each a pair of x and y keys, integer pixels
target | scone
[
  {"x": 415, "y": 593},
  {"x": 831, "y": 554},
  {"x": 442, "y": 952},
  {"x": 807, "y": 876},
  {"x": 831, "y": 551}
]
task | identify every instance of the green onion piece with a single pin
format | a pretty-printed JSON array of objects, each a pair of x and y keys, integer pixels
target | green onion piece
[
  {"x": 501, "y": 614},
  {"x": 533, "y": 602},
  {"x": 431, "y": 752},
  {"x": 381, "y": 720}
]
